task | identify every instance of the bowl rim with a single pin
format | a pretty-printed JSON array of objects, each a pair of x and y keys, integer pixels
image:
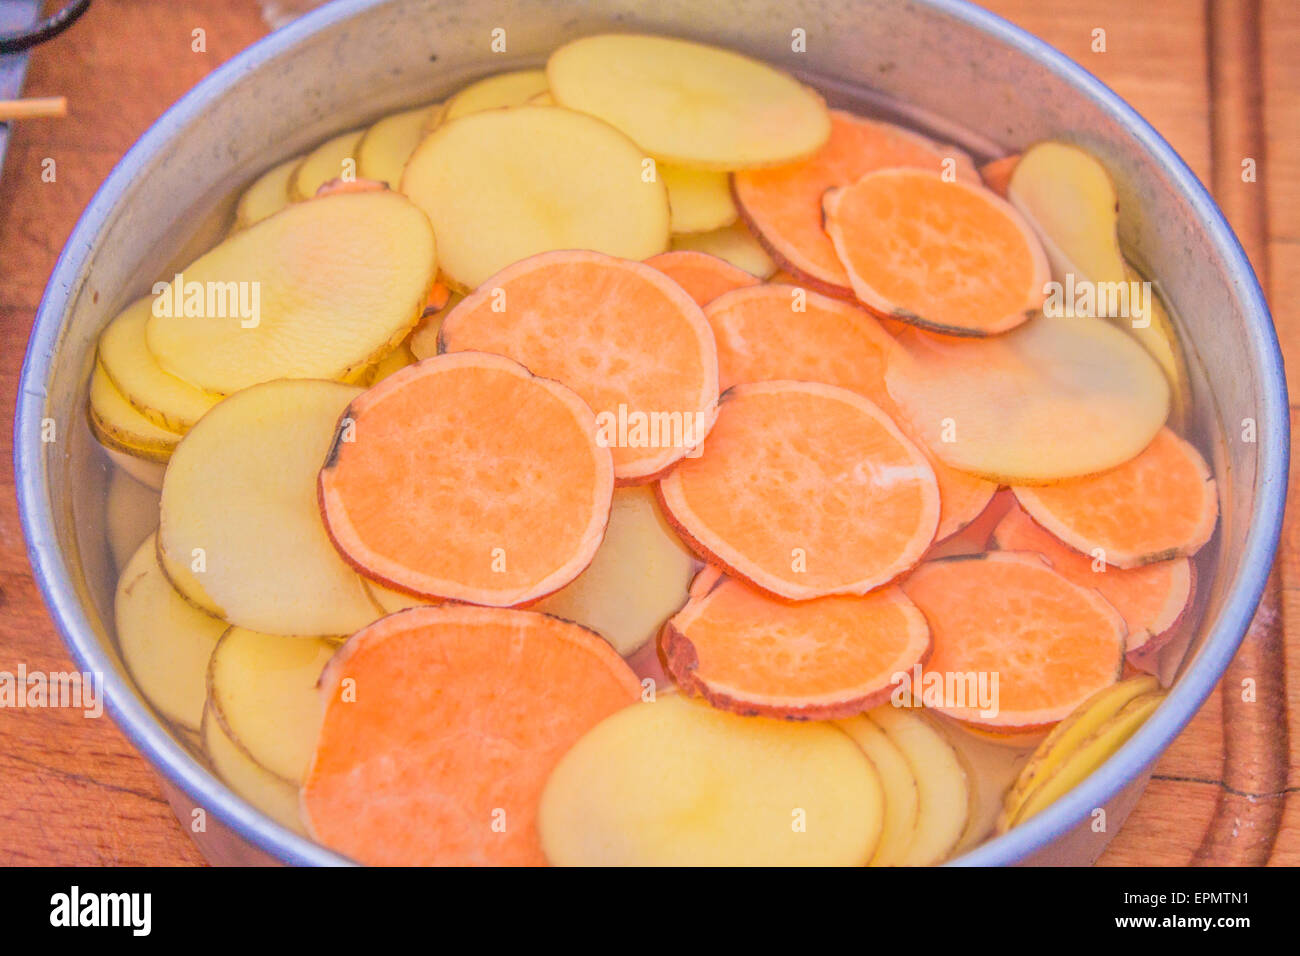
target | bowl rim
[{"x": 147, "y": 733}]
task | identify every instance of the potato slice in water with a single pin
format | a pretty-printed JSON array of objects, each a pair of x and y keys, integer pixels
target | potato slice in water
[
  {"x": 699, "y": 199},
  {"x": 390, "y": 600},
  {"x": 262, "y": 689},
  {"x": 423, "y": 342},
  {"x": 277, "y": 798},
  {"x": 241, "y": 530},
  {"x": 1067, "y": 736},
  {"x": 319, "y": 290},
  {"x": 689, "y": 103},
  {"x": 1056, "y": 398},
  {"x": 162, "y": 398},
  {"x": 120, "y": 427},
  {"x": 333, "y": 159},
  {"x": 734, "y": 244},
  {"x": 266, "y": 195},
  {"x": 393, "y": 362},
  {"x": 1069, "y": 199},
  {"x": 637, "y": 579},
  {"x": 943, "y": 788},
  {"x": 1089, "y": 755},
  {"x": 898, "y": 829},
  {"x": 386, "y": 146},
  {"x": 677, "y": 783},
  {"x": 165, "y": 641},
  {"x": 495, "y": 92},
  {"x": 992, "y": 767},
  {"x": 503, "y": 185}
]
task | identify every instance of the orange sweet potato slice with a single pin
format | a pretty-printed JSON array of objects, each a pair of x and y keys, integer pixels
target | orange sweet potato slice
[
  {"x": 1158, "y": 506},
  {"x": 466, "y": 477},
  {"x": 747, "y": 652},
  {"x": 962, "y": 497},
  {"x": 1050, "y": 643},
  {"x": 704, "y": 277},
  {"x": 948, "y": 256},
  {"x": 805, "y": 490},
  {"x": 783, "y": 205},
  {"x": 787, "y": 332},
  {"x": 441, "y": 726},
  {"x": 997, "y": 173},
  {"x": 437, "y": 300},
  {"x": 976, "y": 535},
  {"x": 621, "y": 334},
  {"x": 1151, "y": 598},
  {"x": 708, "y": 578}
]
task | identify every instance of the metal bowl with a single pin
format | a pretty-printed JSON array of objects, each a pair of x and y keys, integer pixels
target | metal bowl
[{"x": 954, "y": 68}]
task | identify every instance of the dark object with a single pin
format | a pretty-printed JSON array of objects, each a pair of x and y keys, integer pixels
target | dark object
[{"x": 47, "y": 29}]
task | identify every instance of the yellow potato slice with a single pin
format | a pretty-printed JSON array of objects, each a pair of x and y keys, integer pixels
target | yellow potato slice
[
  {"x": 992, "y": 767},
  {"x": 131, "y": 515},
  {"x": 337, "y": 282},
  {"x": 241, "y": 532},
  {"x": 164, "y": 399},
  {"x": 266, "y": 195},
  {"x": 1089, "y": 755},
  {"x": 637, "y": 580},
  {"x": 677, "y": 783},
  {"x": 255, "y": 785},
  {"x": 394, "y": 361},
  {"x": 494, "y": 92},
  {"x": 423, "y": 342},
  {"x": 165, "y": 641},
  {"x": 148, "y": 473},
  {"x": 262, "y": 690},
  {"x": 386, "y": 146},
  {"x": 734, "y": 243},
  {"x": 542, "y": 99},
  {"x": 1055, "y": 398},
  {"x": 120, "y": 427},
  {"x": 1070, "y": 200},
  {"x": 335, "y": 158},
  {"x": 502, "y": 185},
  {"x": 1067, "y": 736},
  {"x": 699, "y": 199},
  {"x": 899, "y": 786},
  {"x": 689, "y": 103},
  {"x": 391, "y": 601},
  {"x": 943, "y": 789}
]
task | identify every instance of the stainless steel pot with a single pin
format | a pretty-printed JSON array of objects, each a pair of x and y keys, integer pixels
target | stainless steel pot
[{"x": 963, "y": 72}]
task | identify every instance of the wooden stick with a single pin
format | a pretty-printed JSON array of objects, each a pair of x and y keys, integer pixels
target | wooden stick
[{"x": 35, "y": 107}]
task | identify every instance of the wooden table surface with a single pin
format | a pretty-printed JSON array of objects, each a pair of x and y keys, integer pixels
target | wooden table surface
[{"x": 1219, "y": 78}]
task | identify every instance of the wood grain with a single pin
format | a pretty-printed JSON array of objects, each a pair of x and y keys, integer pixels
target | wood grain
[{"x": 76, "y": 792}]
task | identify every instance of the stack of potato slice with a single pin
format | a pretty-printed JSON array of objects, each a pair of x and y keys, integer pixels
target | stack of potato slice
[{"x": 410, "y": 598}]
